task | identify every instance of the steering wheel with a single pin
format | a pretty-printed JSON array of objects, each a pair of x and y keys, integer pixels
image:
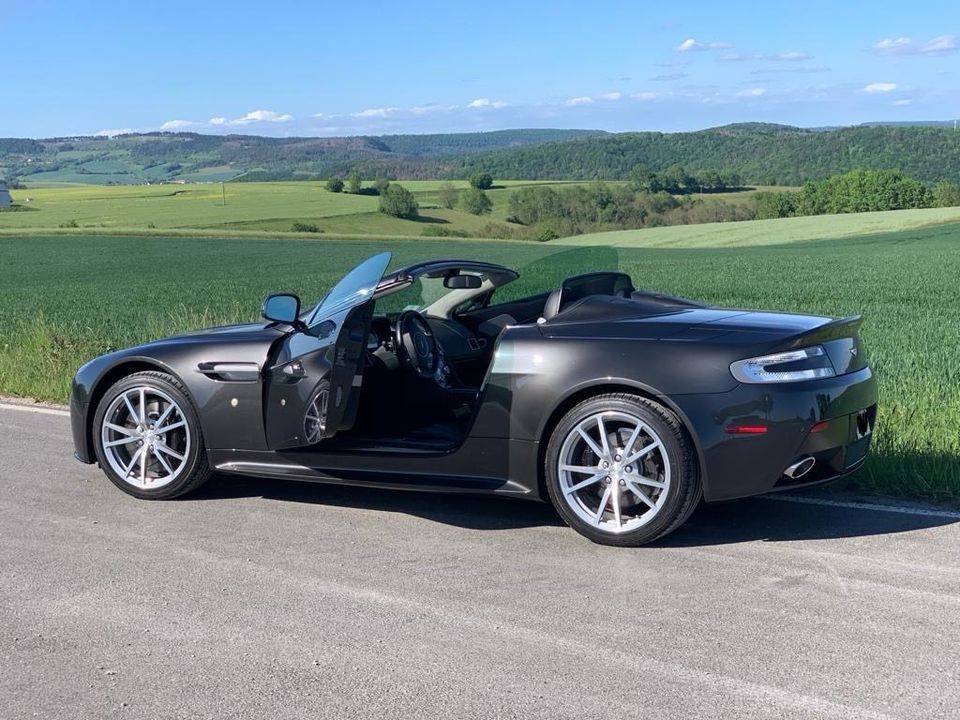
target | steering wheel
[{"x": 415, "y": 344}]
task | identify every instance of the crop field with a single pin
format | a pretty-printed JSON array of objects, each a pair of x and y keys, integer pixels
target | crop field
[
  {"x": 258, "y": 207},
  {"x": 67, "y": 298}
]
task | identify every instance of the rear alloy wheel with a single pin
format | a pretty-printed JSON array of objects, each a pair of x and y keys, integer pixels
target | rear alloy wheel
[
  {"x": 148, "y": 439},
  {"x": 621, "y": 470}
]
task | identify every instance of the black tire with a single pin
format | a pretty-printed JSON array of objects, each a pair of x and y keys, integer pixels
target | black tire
[
  {"x": 195, "y": 471},
  {"x": 683, "y": 493}
]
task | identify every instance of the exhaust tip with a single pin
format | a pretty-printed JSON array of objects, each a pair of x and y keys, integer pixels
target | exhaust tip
[{"x": 800, "y": 468}]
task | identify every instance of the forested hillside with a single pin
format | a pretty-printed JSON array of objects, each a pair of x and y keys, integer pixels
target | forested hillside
[
  {"x": 156, "y": 157},
  {"x": 760, "y": 154}
]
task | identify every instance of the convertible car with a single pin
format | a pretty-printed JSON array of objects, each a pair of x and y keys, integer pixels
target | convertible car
[{"x": 620, "y": 406}]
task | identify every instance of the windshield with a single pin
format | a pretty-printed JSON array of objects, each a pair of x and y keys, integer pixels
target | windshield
[
  {"x": 423, "y": 292},
  {"x": 356, "y": 287}
]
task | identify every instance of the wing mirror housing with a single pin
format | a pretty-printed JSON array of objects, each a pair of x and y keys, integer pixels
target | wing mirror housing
[
  {"x": 282, "y": 307},
  {"x": 462, "y": 282}
]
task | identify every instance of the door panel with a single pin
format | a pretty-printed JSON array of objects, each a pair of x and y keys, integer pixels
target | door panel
[{"x": 312, "y": 387}]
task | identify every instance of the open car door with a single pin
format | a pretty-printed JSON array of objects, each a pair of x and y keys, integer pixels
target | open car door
[{"x": 312, "y": 387}]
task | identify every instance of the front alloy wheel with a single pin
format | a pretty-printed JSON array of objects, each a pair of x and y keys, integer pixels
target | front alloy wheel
[{"x": 148, "y": 440}]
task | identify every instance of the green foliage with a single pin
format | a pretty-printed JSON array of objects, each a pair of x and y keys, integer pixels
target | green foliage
[
  {"x": 448, "y": 196},
  {"x": 600, "y": 206},
  {"x": 305, "y": 227},
  {"x": 475, "y": 201},
  {"x": 481, "y": 180},
  {"x": 852, "y": 192},
  {"x": 758, "y": 154},
  {"x": 335, "y": 185},
  {"x": 380, "y": 185},
  {"x": 354, "y": 182},
  {"x": 776, "y": 204},
  {"x": 442, "y": 231},
  {"x": 945, "y": 194},
  {"x": 399, "y": 202}
]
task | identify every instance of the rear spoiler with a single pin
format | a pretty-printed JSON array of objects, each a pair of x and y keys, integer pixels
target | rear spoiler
[{"x": 834, "y": 330}]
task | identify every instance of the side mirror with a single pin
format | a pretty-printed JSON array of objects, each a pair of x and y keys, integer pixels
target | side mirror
[
  {"x": 462, "y": 282},
  {"x": 282, "y": 307}
]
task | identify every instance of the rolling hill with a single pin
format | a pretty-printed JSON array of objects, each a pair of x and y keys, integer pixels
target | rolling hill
[{"x": 762, "y": 154}]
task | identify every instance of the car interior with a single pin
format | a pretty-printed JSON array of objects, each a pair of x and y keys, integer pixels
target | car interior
[{"x": 425, "y": 365}]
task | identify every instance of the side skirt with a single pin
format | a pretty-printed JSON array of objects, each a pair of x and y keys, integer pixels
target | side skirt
[{"x": 491, "y": 466}]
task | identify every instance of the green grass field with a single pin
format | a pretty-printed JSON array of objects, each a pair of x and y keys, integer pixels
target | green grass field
[
  {"x": 67, "y": 298},
  {"x": 260, "y": 207}
]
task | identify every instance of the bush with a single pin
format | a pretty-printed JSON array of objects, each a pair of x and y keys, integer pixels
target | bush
[
  {"x": 305, "y": 227},
  {"x": 475, "y": 201},
  {"x": 448, "y": 196},
  {"x": 397, "y": 201},
  {"x": 356, "y": 182},
  {"x": 775, "y": 204},
  {"x": 441, "y": 231},
  {"x": 69, "y": 224},
  {"x": 946, "y": 194},
  {"x": 481, "y": 181},
  {"x": 335, "y": 185}
]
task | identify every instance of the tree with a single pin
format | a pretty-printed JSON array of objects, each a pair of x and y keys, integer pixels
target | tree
[
  {"x": 381, "y": 185},
  {"x": 399, "y": 202},
  {"x": 475, "y": 201},
  {"x": 356, "y": 181},
  {"x": 448, "y": 195},
  {"x": 481, "y": 180},
  {"x": 639, "y": 178},
  {"x": 775, "y": 204},
  {"x": 335, "y": 185},
  {"x": 946, "y": 194}
]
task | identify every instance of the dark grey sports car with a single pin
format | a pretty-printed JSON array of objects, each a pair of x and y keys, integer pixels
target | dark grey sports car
[{"x": 622, "y": 407}]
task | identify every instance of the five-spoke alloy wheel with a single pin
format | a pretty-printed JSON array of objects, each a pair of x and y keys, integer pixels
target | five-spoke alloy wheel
[
  {"x": 147, "y": 437},
  {"x": 621, "y": 471}
]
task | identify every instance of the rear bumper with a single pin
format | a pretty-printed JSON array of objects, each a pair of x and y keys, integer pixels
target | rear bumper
[{"x": 830, "y": 420}]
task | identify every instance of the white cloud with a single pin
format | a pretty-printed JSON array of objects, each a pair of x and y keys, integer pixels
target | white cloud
[
  {"x": 691, "y": 44},
  {"x": 645, "y": 96},
  {"x": 902, "y": 102},
  {"x": 383, "y": 112},
  {"x": 879, "y": 87},
  {"x": 611, "y": 96},
  {"x": 487, "y": 103},
  {"x": 939, "y": 45},
  {"x": 255, "y": 116},
  {"x": 792, "y": 56},
  {"x": 581, "y": 100},
  {"x": 431, "y": 108},
  {"x": 752, "y": 92},
  {"x": 262, "y": 116},
  {"x": 174, "y": 125},
  {"x": 667, "y": 77},
  {"x": 113, "y": 132}
]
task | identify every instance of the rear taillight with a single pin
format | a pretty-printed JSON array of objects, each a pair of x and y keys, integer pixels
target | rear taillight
[{"x": 791, "y": 366}]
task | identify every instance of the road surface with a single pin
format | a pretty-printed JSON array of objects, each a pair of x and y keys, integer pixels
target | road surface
[{"x": 267, "y": 599}]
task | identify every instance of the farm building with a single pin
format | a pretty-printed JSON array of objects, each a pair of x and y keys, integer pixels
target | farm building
[{"x": 5, "y": 199}]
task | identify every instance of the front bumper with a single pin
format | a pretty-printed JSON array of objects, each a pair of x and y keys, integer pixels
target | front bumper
[{"x": 830, "y": 420}]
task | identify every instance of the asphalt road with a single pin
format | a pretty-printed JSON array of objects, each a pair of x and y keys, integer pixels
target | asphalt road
[{"x": 263, "y": 599}]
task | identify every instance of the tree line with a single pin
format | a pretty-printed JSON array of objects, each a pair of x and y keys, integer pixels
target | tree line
[{"x": 857, "y": 191}]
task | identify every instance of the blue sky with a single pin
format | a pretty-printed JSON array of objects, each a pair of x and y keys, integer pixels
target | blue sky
[{"x": 344, "y": 68}]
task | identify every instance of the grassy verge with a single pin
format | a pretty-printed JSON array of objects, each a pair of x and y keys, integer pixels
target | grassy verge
[{"x": 65, "y": 299}]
